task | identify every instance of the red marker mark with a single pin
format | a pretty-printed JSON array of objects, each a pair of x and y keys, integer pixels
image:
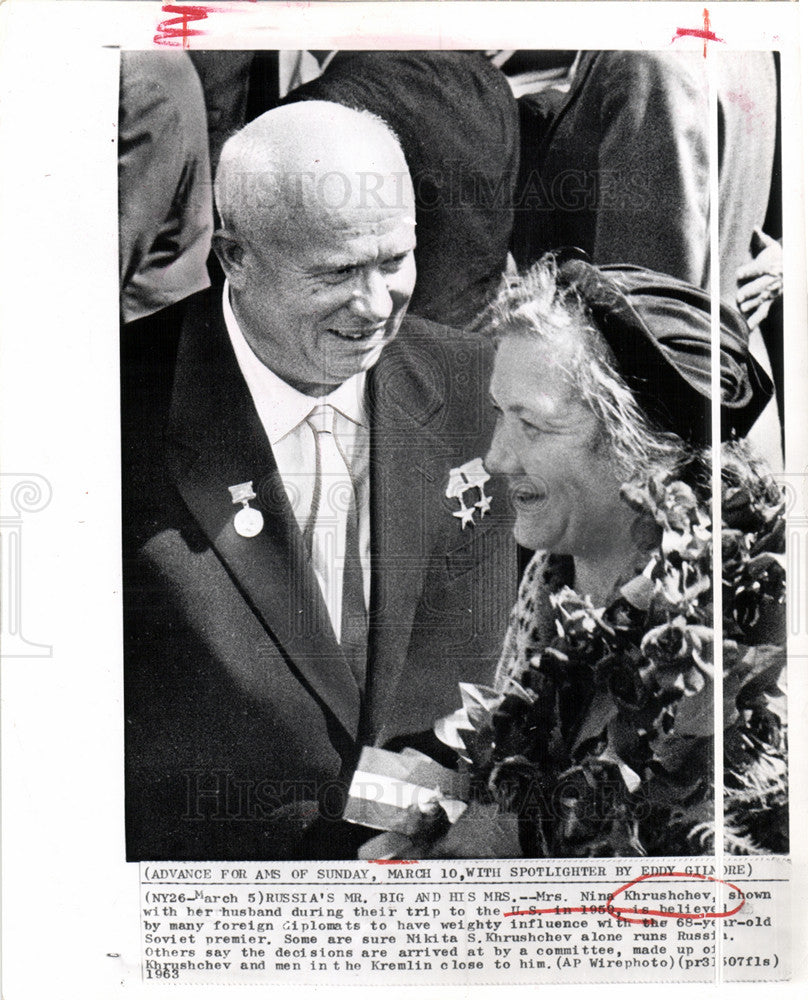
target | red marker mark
[
  {"x": 176, "y": 31},
  {"x": 374, "y": 861},
  {"x": 705, "y": 33},
  {"x": 642, "y": 916}
]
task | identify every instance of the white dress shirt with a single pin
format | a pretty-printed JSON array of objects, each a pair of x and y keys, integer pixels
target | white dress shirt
[{"x": 283, "y": 412}]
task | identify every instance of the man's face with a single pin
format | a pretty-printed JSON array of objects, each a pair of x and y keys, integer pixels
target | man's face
[
  {"x": 564, "y": 491},
  {"x": 318, "y": 304}
]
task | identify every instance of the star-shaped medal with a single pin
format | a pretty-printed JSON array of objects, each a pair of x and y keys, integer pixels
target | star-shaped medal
[
  {"x": 470, "y": 476},
  {"x": 483, "y": 504},
  {"x": 466, "y": 515}
]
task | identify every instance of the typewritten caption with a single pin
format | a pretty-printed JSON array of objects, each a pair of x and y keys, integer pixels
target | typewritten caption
[{"x": 509, "y": 921}]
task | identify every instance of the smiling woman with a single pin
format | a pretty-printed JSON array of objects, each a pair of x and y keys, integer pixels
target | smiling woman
[
  {"x": 564, "y": 486},
  {"x": 603, "y": 727},
  {"x": 596, "y": 739},
  {"x": 569, "y": 432}
]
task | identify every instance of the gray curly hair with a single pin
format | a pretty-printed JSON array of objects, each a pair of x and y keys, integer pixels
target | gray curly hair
[{"x": 535, "y": 305}]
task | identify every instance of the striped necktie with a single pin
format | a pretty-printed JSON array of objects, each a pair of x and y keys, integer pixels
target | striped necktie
[{"x": 334, "y": 492}]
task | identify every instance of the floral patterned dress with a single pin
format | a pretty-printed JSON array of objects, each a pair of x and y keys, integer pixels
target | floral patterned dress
[
  {"x": 531, "y": 627},
  {"x": 600, "y": 736}
]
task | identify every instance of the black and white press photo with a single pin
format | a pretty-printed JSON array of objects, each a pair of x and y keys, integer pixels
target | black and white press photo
[
  {"x": 423, "y": 441},
  {"x": 403, "y": 500}
]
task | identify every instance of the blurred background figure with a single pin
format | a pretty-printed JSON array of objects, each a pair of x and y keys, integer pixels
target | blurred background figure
[
  {"x": 225, "y": 76},
  {"x": 750, "y": 206},
  {"x": 164, "y": 187},
  {"x": 616, "y": 162},
  {"x": 760, "y": 277},
  {"x": 238, "y": 86},
  {"x": 622, "y": 169},
  {"x": 747, "y": 138}
]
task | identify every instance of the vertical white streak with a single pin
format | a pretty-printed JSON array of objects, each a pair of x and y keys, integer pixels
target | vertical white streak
[{"x": 715, "y": 374}]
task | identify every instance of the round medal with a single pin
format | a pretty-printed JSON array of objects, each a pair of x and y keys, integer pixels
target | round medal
[{"x": 248, "y": 522}]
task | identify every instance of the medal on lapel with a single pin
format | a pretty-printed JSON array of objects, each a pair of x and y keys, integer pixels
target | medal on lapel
[
  {"x": 248, "y": 521},
  {"x": 471, "y": 475}
]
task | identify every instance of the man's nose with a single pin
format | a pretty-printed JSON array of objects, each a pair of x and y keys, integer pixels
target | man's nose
[
  {"x": 371, "y": 297},
  {"x": 501, "y": 456}
]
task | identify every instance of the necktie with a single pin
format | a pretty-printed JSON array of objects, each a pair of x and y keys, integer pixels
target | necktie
[{"x": 334, "y": 503}]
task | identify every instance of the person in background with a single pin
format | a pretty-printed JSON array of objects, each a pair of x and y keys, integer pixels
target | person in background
[
  {"x": 164, "y": 186},
  {"x": 621, "y": 170},
  {"x": 224, "y": 75}
]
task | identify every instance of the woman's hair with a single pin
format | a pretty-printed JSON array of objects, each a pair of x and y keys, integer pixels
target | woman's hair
[{"x": 536, "y": 306}]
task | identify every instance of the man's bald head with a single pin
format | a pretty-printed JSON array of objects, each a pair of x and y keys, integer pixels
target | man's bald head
[
  {"x": 313, "y": 158},
  {"x": 317, "y": 240}
]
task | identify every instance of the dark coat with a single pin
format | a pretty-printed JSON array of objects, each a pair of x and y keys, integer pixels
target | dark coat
[
  {"x": 241, "y": 710},
  {"x": 623, "y": 169}
]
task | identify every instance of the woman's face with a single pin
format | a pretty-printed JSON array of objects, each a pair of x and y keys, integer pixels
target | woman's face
[{"x": 563, "y": 489}]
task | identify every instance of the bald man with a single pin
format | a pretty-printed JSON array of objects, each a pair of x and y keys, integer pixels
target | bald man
[{"x": 297, "y": 582}]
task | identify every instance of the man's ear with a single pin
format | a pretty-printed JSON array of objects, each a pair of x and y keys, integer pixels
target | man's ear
[{"x": 231, "y": 253}]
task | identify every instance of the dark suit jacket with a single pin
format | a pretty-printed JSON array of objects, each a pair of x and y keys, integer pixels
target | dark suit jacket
[
  {"x": 241, "y": 710},
  {"x": 624, "y": 172},
  {"x": 623, "y": 169}
]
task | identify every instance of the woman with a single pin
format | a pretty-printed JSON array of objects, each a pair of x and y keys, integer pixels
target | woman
[
  {"x": 602, "y": 377},
  {"x": 602, "y": 385},
  {"x": 597, "y": 737}
]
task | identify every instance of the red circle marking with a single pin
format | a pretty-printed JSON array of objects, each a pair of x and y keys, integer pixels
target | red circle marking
[{"x": 640, "y": 916}]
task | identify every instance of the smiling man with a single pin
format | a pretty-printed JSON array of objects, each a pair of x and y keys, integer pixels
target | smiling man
[
  {"x": 320, "y": 280},
  {"x": 295, "y": 582}
]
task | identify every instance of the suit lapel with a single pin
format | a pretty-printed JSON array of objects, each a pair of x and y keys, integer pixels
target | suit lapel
[
  {"x": 215, "y": 440},
  {"x": 406, "y": 505}
]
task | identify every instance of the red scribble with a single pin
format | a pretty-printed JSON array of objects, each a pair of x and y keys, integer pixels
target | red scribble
[
  {"x": 395, "y": 861},
  {"x": 642, "y": 915},
  {"x": 705, "y": 33},
  {"x": 176, "y": 31}
]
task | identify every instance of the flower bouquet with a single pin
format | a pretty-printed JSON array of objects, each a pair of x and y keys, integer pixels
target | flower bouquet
[{"x": 603, "y": 744}]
